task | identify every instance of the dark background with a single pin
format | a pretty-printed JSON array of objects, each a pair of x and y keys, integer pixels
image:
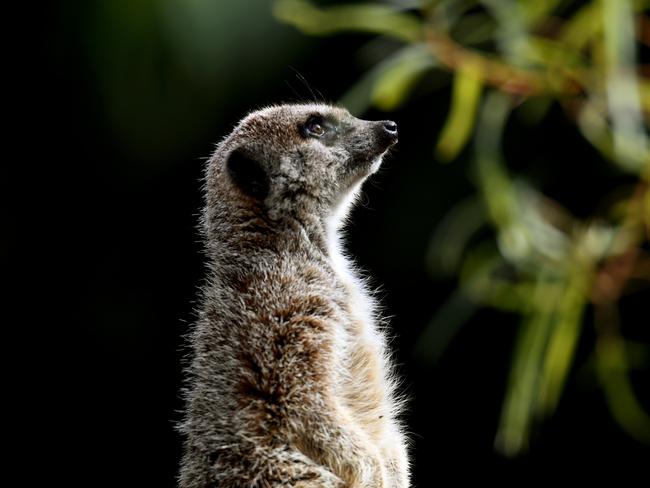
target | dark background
[{"x": 135, "y": 96}]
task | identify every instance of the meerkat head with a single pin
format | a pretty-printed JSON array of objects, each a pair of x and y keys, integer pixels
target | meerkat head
[{"x": 293, "y": 160}]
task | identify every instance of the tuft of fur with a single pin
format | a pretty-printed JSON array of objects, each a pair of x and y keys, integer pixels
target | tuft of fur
[{"x": 291, "y": 383}]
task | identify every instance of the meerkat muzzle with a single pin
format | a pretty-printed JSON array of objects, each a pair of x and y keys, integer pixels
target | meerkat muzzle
[{"x": 386, "y": 131}]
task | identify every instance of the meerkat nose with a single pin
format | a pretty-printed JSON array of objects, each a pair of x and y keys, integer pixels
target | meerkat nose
[
  {"x": 387, "y": 132},
  {"x": 390, "y": 127}
]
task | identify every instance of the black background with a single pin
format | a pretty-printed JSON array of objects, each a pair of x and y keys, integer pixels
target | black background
[{"x": 112, "y": 261}]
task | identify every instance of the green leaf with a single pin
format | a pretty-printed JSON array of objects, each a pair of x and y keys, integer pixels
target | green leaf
[
  {"x": 359, "y": 17},
  {"x": 518, "y": 409},
  {"x": 389, "y": 83},
  {"x": 644, "y": 89},
  {"x": 539, "y": 9},
  {"x": 564, "y": 339},
  {"x": 396, "y": 79},
  {"x": 493, "y": 179},
  {"x": 582, "y": 27},
  {"x": 512, "y": 32},
  {"x": 466, "y": 93},
  {"x": 630, "y": 142}
]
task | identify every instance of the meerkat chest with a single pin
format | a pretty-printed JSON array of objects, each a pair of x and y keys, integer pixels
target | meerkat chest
[{"x": 365, "y": 390}]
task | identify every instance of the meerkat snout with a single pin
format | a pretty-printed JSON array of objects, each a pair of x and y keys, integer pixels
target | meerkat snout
[
  {"x": 387, "y": 133},
  {"x": 390, "y": 127}
]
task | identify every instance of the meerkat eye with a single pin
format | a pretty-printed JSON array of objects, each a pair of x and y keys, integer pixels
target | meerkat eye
[{"x": 315, "y": 127}]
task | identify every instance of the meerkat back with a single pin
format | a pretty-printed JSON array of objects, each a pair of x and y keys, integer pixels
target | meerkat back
[{"x": 290, "y": 383}]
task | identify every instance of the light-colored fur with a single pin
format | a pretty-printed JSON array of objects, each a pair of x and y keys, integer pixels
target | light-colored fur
[{"x": 291, "y": 383}]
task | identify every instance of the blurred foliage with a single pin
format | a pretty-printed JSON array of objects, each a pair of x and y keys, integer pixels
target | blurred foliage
[{"x": 543, "y": 263}]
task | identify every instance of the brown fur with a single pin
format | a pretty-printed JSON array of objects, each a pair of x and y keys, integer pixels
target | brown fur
[{"x": 291, "y": 383}]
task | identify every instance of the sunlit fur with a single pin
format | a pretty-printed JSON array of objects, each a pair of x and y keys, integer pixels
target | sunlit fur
[{"x": 291, "y": 383}]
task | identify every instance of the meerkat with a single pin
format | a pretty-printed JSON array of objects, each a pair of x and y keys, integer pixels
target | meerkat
[{"x": 291, "y": 383}]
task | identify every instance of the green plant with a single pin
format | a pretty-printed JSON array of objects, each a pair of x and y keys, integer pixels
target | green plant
[{"x": 508, "y": 55}]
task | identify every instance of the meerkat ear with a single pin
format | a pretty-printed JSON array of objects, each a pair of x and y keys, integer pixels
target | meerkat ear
[{"x": 248, "y": 175}]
